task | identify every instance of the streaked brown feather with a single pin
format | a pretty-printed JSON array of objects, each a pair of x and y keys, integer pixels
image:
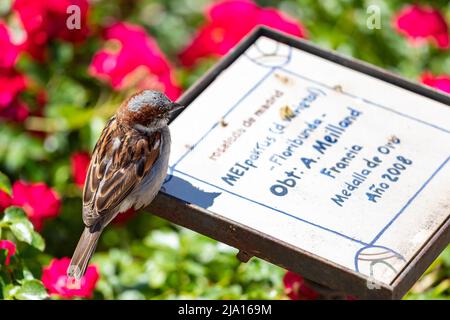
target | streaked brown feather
[{"x": 114, "y": 172}]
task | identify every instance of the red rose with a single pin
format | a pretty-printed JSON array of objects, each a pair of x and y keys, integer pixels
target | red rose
[
  {"x": 5, "y": 200},
  {"x": 10, "y": 247},
  {"x": 80, "y": 164},
  {"x": 422, "y": 23},
  {"x": 228, "y": 22},
  {"x": 38, "y": 201},
  {"x": 124, "y": 217},
  {"x": 131, "y": 58},
  {"x": 296, "y": 289},
  {"x": 54, "y": 278},
  {"x": 441, "y": 82},
  {"x": 44, "y": 20},
  {"x": 17, "y": 111},
  {"x": 11, "y": 84},
  {"x": 9, "y": 52}
]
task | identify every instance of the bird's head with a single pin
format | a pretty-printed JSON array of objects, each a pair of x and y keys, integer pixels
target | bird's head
[{"x": 148, "y": 108}]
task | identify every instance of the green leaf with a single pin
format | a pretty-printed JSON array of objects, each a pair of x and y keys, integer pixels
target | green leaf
[
  {"x": 14, "y": 214},
  {"x": 131, "y": 295},
  {"x": 9, "y": 291},
  {"x": 5, "y": 184},
  {"x": 27, "y": 275},
  {"x": 23, "y": 230},
  {"x": 445, "y": 256},
  {"x": 3, "y": 255},
  {"x": 5, "y": 6},
  {"x": 31, "y": 290},
  {"x": 37, "y": 241}
]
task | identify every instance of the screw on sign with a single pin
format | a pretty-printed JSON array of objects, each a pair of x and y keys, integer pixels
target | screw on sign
[{"x": 372, "y": 284}]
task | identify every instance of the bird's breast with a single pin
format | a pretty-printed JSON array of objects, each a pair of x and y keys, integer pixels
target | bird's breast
[{"x": 145, "y": 192}]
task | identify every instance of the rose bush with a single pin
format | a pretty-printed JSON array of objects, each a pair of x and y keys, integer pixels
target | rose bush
[
  {"x": 220, "y": 33},
  {"x": 80, "y": 163},
  {"x": 58, "y": 86}
]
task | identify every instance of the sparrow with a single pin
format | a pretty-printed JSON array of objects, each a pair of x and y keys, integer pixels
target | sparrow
[{"x": 127, "y": 168}]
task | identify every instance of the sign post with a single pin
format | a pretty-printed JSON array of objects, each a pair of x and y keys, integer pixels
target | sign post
[{"x": 320, "y": 164}]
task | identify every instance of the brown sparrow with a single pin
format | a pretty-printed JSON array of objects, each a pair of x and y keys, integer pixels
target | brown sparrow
[{"x": 127, "y": 168}]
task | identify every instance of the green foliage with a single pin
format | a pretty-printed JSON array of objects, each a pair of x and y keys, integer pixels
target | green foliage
[
  {"x": 435, "y": 283},
  {"x": 17, "y": 222},
  {"x": 30, "y": 290},
  {"x": 19, "y": 280},
  {"x": 172, "y": 263},
  {"x": 5, "y": 184}
]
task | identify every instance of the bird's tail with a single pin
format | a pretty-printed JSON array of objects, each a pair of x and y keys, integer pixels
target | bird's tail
[{"x": 83, "y": 253}]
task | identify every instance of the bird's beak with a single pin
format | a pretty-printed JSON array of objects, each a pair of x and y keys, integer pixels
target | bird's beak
[{"x": 175, "y": 106}]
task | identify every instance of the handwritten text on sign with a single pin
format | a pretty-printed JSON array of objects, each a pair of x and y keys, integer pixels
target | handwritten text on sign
[{"x": 330, "y": 160}]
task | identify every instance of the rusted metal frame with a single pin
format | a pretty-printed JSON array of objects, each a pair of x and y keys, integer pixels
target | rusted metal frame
[
  {"x": 424, "y": 257},
  {"x": 251, "y": 243}
]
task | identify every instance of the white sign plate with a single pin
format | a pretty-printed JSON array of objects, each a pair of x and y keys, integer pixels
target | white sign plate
[{"x": 330, "y": 160}]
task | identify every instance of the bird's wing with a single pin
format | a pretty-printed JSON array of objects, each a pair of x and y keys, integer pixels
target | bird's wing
[{"x": 121, "y": 158}]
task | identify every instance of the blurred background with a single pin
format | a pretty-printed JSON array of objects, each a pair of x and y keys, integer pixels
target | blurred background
[{"x": 65, "y": 65}]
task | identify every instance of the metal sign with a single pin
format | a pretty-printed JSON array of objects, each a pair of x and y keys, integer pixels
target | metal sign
[{"x": 320, "y": 164}]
